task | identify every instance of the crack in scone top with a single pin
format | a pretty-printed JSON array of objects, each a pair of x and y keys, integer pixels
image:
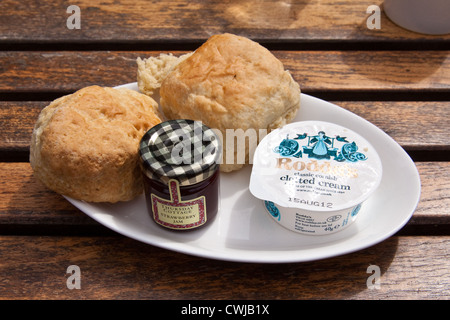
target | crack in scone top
[{"x": 184, "y": 150}]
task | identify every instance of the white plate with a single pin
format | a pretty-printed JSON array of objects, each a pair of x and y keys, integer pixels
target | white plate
[{"x": 243, "y": 231}]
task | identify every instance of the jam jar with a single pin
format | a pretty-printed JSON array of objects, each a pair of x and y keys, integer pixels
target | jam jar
[{"x": 180, "y": 164}]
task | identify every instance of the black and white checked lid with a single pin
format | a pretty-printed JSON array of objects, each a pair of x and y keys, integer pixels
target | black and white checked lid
[{"x": 185, "y": 150}]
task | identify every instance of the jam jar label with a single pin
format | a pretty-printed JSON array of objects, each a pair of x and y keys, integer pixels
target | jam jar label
[{"x": 177, "y": 214}]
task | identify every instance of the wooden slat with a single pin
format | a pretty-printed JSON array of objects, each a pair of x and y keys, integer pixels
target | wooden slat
[
  {"x": 411, "y": 123},
  {"x": 391, "y": 71},
  {"x": 17, "y": 120},
  {"x": 25, "y": 201},
  {"x": 183, "y": 20},
  {"x": 434, "y": 205},
  {"x": 121, "y": 268}
]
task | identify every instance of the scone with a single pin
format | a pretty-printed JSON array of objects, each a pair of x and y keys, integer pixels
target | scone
[
  {"x": 231, "y": 83},
  {"x": 85, "y": 145},
  {"x": 152, "y": 71}
]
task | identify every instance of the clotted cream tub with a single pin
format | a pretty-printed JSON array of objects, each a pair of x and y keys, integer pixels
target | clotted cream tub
[{"x": 314, "y": 176}]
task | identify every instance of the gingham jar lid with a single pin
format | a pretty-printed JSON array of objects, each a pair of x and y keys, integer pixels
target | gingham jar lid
[{"x": 185, "y": 150}]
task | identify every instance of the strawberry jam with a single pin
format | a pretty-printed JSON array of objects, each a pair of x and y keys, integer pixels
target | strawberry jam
[{"x": 180, "y": 162}]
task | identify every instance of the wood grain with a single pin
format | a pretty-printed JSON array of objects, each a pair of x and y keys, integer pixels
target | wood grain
[
  {"x": 337, "y": 71},
  {"x": 121, "y": 268},
  {"x": 26, "y": 201},
  {"x": 183, "y": 21}
]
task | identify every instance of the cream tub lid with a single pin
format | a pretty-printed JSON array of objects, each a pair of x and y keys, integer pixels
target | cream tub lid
[{"x": 315, "y": 165}]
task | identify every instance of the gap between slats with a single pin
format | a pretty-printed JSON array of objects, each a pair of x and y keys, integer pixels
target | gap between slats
[
  {"x": 328, "y": 95},
  {"x": 172, "y": 45}
]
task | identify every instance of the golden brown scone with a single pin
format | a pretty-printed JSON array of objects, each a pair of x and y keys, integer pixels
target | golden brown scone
[
  {"x": 85, "y": 145},
  {"x": 231, "y": 82}
]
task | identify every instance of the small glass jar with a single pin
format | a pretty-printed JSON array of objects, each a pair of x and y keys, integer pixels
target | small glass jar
[{"x": 180, "y": 164}]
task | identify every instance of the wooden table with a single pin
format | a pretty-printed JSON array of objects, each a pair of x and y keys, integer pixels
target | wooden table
[{"x": 396, "y": 79}]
